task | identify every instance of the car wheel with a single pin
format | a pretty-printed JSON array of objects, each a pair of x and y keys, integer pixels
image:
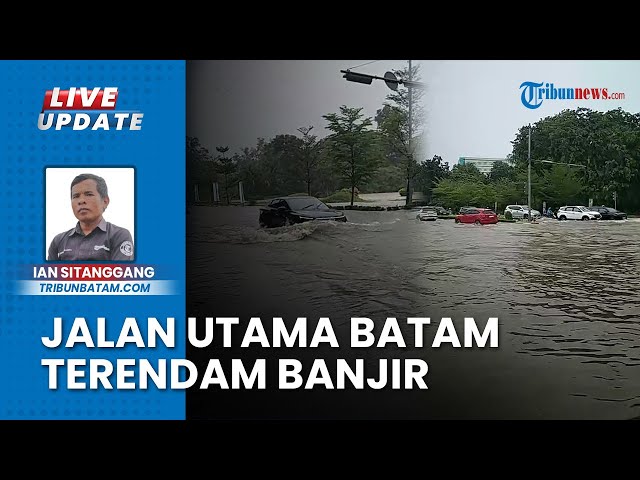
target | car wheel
[
  {"x": 562, "y": 217},
  {"x": 287, "y": 222},
  {"x": 477, "y": 222},
  {"x": 585, "y": 218},
  {"x": 457, "y": 220}
]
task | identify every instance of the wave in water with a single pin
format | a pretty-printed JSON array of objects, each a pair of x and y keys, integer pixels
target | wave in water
[{"x": 246, "y": 235}]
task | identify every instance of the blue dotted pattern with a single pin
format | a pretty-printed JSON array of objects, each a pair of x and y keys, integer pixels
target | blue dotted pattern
[{"x": 157, "y": 153}]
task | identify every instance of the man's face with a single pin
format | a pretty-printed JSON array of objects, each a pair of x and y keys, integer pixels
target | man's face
[{"x": 86, "y": 201}]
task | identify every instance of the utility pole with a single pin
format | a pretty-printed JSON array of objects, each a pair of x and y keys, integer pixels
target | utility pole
[
  {"x": 410, "y": 156},
  {"x": 392, "y": 82},
  {"x": 529, "y": 181}
]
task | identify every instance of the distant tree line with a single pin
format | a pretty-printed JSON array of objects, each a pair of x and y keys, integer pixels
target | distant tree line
[
  {"x": 367, "y": 155},
  {"x": 356, "y": 156},
  {"x": 603, "y": 148}
]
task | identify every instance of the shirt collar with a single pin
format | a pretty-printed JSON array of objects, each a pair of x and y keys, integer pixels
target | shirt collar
[{"x": 102, "y": 226}]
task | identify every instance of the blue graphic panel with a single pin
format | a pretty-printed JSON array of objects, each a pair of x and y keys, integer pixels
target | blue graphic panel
[{"x": 107, "y": 365}]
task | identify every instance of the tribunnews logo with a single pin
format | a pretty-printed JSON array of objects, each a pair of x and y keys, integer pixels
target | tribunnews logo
[
  {"x": 81, "y": 108},
  {"x": 533, "y": 94}
]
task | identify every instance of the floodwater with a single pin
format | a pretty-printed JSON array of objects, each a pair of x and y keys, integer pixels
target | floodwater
[{"x": 566, "y": 295}]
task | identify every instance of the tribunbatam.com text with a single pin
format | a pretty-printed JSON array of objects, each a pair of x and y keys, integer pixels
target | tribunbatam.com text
[
  {"x": 95, "y": 372},
  {"x": 94, "y": 287}
]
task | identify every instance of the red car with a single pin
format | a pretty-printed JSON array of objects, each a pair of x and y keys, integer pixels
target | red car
[{"x": 479, "y": 216}]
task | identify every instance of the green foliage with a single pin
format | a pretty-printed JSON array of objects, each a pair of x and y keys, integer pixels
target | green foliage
[
  {"x": 508, "y": 192},
  {"x": 562, "y": 186},
  {"x": 353, "y": 146},
  {"x": 309, "y": 156},
  {"x": 502, "y": 171},
  {"x": 467, "y": 173},
  {"x": 400, "y": 124},
  {"x": 388, "y": 178},
  {"x": 341, "y": 196},
  {"x": 429, "y": 173},
  {"x": 454, "y": 193},
  {"x": 607, "y": 144}
]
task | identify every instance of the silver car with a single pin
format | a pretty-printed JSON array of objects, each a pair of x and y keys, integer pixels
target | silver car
[
  {"x": 521, "y": 211},
  {"x": 427, "y": 214}
]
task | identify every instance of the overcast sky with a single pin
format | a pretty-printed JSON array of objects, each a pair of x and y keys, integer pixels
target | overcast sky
[{"x": 473, "y": 107}]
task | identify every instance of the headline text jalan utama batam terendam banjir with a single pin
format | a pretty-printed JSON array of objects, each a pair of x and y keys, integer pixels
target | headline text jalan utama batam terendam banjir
[{"x": 93, "y": 372}]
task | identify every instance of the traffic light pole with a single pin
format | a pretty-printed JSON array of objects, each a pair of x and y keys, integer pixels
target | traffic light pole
[
  {"x": 410, "y": 157},
  {"x": 392, "y": 82}
]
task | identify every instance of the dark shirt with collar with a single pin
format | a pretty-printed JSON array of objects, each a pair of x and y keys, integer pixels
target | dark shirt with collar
[{"x": 106, "y": 242}]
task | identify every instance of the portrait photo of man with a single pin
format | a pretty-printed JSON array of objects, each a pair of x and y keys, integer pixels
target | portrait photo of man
[{"x": 94, "y": 237}]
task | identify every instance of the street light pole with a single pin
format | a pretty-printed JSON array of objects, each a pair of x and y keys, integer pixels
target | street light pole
[
  {"x": 410, "y": 157},
  {"x": 529, "y": 181},
  {"x": 392, "y": 82}
]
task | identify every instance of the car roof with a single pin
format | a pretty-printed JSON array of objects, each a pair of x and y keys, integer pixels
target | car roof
[{"x": 293, "y": 196}]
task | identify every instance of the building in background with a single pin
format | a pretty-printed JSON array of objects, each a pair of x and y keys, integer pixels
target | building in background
[{"x": 484, "y": 164}]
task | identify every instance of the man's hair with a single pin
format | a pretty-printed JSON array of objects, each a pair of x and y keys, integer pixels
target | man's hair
[{"x": 101, "y": 185}]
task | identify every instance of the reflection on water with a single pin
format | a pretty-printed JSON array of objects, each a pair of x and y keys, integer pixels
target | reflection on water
[{"x": 566, "y": 294}]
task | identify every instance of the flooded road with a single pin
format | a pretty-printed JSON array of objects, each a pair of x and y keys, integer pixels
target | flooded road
[{"x": 565, "y": 294}]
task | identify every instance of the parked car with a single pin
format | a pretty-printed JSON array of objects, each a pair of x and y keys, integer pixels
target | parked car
[
  {"x": 521, "y": 212},
  {"x": 608, "y": 213},
  {"x": 427, "y": 213},
  {"x": 576, "y": 212},
  {"x": 442, "y": 210},
  {"x": 297, "y": 209},
  {"x": 479, "y": 216}
]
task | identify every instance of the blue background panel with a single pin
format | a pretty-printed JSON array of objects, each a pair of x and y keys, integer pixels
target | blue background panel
[{"x": 157, "y": 152}]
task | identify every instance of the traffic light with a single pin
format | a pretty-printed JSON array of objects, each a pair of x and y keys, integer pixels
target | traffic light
[
  {"x": 358, "y": 77},
  {"x": 389, "y": 78}
]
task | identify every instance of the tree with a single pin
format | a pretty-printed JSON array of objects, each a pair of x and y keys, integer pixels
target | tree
[
  {"x": 607, "y": 144},
  {"x": 561, "y": 186},
  {"x": 353, "y": 146},
  {"x": 455, "y": 193},
  {"x": 200, "y": 168},
  {"x": 501, "y": 171},
  {"x": 429, "y": 173},
  {"x": 227, "y": 167},
  {"x": 283, "y": 167},
  {"x": 401, "y": 121},
  {"x": 249, "y": 170},
  {"x": 467, "y": 172},
  {"x": 309, "y": 155}
]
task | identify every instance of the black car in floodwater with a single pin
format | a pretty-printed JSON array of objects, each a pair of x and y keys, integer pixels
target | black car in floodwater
[
  {"x": 609, "y": 213},
  {"x": 283, "y": 211}
]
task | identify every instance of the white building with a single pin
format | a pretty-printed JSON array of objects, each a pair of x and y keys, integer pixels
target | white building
[{"x": 484, "y": 164}]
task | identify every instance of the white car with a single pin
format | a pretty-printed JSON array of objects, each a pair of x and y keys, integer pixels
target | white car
[
  {"x": 427, "y": 214},
  {"x": 521, "y": 211},
  {"x": 577, "y": 212}
]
